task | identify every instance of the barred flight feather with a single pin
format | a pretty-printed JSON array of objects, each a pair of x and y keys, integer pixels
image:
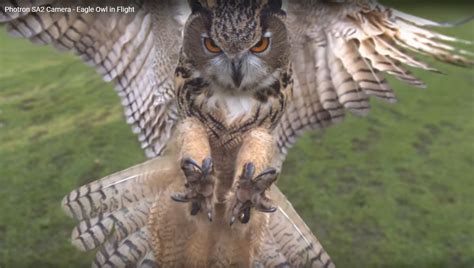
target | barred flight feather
[
  {"x": 294, "y": 242},
  {"x": 92, "y": 232},
  {"x": 131, "y": 251},
  {"x": 115, "y": 210},
  {"x": 353, "y": 43},
  {"x": 120, "y": 190},
  {"x": 124, "y": 48}
]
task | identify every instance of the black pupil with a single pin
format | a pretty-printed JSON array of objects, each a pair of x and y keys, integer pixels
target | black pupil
[{"x": 260, "y": 43}]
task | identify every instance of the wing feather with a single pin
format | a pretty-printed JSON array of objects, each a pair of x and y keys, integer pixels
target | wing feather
[
  {"x": 92, "y": 232},
  {"x": 289, "y": 241},
  {"x": 113, "y": 213},
  {"x": 131, "y": 251},
  {"x": 126, "y": 49},
  {"x": 342, "y": 51}
]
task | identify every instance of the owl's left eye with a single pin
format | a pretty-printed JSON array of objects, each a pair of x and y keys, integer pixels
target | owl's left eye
[
  {"x": 261, "y": 46},
  {"x": 211, "y": 46}
]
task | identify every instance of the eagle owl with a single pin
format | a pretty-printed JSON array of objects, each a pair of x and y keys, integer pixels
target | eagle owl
[{"x": 217, "y": 92}]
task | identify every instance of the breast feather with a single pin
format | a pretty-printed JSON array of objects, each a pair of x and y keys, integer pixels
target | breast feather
[{"x": 232, "y": 107}]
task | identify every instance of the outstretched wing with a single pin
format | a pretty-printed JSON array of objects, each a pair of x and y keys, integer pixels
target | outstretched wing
[
  {"x": 341, "y": 52},
  {"x": 135, "y": 50}
]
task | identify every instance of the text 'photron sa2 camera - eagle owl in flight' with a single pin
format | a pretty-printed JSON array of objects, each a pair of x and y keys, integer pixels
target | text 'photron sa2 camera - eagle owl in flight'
[{"x": 217, "y": 92}]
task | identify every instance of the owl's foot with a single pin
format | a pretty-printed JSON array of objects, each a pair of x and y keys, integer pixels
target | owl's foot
[
  {"x": 250, "y": 192},
  {"x": 199, "y": 185}
]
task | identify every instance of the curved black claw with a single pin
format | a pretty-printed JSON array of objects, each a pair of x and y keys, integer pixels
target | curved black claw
[
  {"x": 179, "y": 197},
  {"x": 199, "y": 186},
  {"x": 245, "y": 218},
  {"x": 195, "y": 207},
  {"x": 251, "y": 193}
]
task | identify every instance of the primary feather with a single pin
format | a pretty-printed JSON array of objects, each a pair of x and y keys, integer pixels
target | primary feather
[{"x": 348, "y": 46}]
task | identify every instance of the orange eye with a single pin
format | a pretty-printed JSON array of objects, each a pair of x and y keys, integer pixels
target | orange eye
[
  {"x": 261, "y": 46},
  {"x": 211, "y": 46}
]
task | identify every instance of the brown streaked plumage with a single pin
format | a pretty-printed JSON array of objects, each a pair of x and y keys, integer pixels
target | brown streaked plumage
[
  {"x": 238, "y": 97},
  {"x": 233, "y": 111},
  {"x": 131, "y": 218}
]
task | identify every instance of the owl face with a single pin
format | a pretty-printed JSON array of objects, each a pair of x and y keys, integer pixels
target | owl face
[{"x": 237, "y": 46}]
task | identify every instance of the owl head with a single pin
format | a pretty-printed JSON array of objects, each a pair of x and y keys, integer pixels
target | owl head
[{"x": 237, "y": 45}]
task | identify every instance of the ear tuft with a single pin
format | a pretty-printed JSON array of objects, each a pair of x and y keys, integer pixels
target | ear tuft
[
  {"x": 195, "y": 5},
  {"x": 275, "y": 4}
]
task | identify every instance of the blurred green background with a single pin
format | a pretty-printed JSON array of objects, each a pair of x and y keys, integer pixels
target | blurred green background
[{"x": 395, "y": 189}]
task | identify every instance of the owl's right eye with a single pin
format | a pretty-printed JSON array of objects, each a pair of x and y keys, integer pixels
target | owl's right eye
[{"x": 211, "y": 46}]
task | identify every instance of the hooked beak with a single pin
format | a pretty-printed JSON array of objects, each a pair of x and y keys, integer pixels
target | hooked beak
[{"x": 237, "y": 71}]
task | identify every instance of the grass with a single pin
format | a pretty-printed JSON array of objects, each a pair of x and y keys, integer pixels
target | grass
[{"x": 393, "y": 190}]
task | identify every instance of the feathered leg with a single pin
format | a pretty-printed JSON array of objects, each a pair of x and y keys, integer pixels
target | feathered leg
[
  {"x": 255, "y": 177},
  {"x": 197, "y": 166}
]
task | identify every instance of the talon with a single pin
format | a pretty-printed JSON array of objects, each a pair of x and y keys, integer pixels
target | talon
[
  {"x": 179, "y": 198},
  {"x": 268, "y": 210},
  {"x": 245, "y": 215},
  {"x": 195, "y": 207},
  {"x": 268, "y": 171},
  {"x": 188, "y": 161},
  {"x": 199, "y": 185},
  {"x": 251, "y": 193}
]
